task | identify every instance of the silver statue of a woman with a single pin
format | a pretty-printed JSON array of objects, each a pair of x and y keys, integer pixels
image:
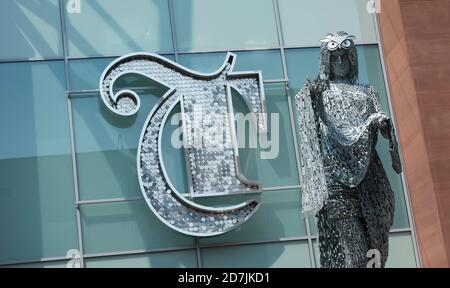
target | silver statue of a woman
[{"x": 344, "y": 183}]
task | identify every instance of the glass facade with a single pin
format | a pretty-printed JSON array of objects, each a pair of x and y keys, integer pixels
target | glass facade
[{"x": 68, "y": 167}]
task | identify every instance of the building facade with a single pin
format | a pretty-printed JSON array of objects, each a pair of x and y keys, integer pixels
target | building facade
[{"x": 68, "y": 173}]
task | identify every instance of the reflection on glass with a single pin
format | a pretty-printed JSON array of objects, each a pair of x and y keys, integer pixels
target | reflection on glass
[
  {"x": 127, "y": 226},
  {"x": 175, "y": 259},
  {"x": 268, "y": 62},
  {"x": 401, "y": 251},
  {"x": 53, "y": 264},
  {"x": 30, "y": 29},
  {"x": 304, "y": 22},
  {"x": 106, "y": 145},
  {"x": 37, "y": 216},
  {"x": 276, "y": 255},
  {"x": 85, "y": 73},
  {"x": 119, "y": 27},
  {"x": 221, "y": 25},
  {"x": 282, "y": 169},
  {"x": 274, "y": 165},
  {"x": 279, "y": 217}
]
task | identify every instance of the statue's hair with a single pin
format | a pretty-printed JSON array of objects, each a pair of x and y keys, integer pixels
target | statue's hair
[{"x": 325, "y": 60}]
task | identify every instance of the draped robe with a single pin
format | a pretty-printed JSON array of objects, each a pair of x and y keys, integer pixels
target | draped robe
[{"x": 342, "y": 175}]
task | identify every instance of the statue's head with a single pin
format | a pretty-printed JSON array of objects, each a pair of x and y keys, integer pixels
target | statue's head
[{"x": 338, "y": 57}]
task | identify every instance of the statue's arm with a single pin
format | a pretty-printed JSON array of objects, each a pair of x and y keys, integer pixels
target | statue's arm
[
  {"x": 315, "y": 91},
  {"x": 387, "y": 130}
]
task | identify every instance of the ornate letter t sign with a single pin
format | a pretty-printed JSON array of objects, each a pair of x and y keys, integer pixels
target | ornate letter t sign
[{"x": 211, "y": 170}]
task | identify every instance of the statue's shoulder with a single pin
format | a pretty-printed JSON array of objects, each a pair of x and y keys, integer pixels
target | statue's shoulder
[
  {"x": 366, "y": 88},
  {"x": 304, "y": 91}
]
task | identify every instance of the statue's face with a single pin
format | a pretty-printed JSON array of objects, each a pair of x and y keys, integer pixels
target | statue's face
[
  {"x": 340, "y": 64},
  {"x": 339, "y": 45}
]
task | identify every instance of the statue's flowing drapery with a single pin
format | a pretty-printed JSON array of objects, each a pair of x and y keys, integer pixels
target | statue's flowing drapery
[{"x": 342, "y": 175}]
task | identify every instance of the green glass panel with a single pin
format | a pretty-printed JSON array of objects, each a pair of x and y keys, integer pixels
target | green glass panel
[
  {"x": 221, "y": 25},
  {"x": 268, "y": 62},
  {"x": 106, "y": 146},
  {"x": 313, "y": 225},
  {"x": 85, "y": 73},
  {"x": 305, "y": 22},
  {"x": 30, "y": 29},
  {"x": 37, "y": 194},
  {"x": 175, "y": 259},
  {"x": 275, "y": 165},
  {"x": 119, "y": 27},
  {"x": 277, "y": 218},
  {"x": 127, "y": 226},
  {"x": 203, "y": 62},
  {"x": 304, "y": 62},
  {"x": 274, "y": 255},
  {"x": 36, "y": 182},
  {"x": 316, "y": 253},
  {"x": 247, "y": 137},
  {"x": 282, "y": 169},
  {"x": 53, "y": 264},
  {"x": 401, "y": 251}
]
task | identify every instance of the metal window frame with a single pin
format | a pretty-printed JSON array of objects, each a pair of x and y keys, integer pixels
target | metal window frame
[{"x": 197, "y": 247}]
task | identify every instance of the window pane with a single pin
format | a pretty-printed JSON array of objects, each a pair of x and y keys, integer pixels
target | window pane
[
  {"x": 30, "y": 29},
  {"x": 279, "y": 217},
  {"x": 36, "y": 179},
  {"x": 275, "y": 165},
  {"x": 304, "y": 62},
  {"x": 313, "y": 225},
  {"x": 401, "y": 251},
  {"x": 127, "y": 226},
  {"x": 119, "y": 27},
  {"x": 224, "y": 25},
  {"x": 276, "y": 255},
  {"x": 106, "y": 150},
  {"x": 203, "y": 62},
  {"x": 268, "y": 62},
  {"x": 305, "y": 22},
  {"x": 106, "y": 147},
  {"x": 282, "y": 169},
  {"x": 54, "y": 264},
  {"x": 85, "y": 73},
  {"x": 316, "y": 252},
  {"x": 175, "y": 259},
  {"x": 301, "y": 63}
]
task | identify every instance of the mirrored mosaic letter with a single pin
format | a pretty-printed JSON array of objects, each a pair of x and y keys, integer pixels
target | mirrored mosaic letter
[{"x": 212, "y": 169}]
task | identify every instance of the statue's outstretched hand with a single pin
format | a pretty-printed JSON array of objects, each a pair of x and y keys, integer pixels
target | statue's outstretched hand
[
  {"x": 395, "y": 156},
  {"x": 387, "y": 131},
  {"x": 385, "y": 126},
  {"x": 318, "y": 86}
]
